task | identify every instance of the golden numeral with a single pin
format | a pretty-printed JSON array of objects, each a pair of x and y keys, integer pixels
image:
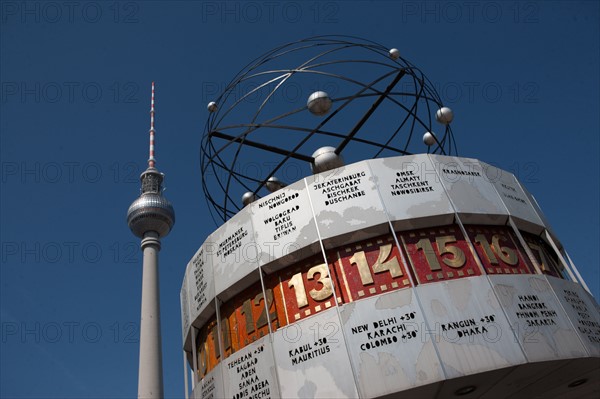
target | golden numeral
[
  {"x": 545, "y": 264},
  {"x": 262, "y": 318},
  {"x": 324, "y": 280},
  {"x": 487, "y": 249},
  {"x": 380, "y": 266},
  {"x": 360, "y": 260},
  {"x": 247, "y": 312},
  {"x": 391, "y": 265},
  {"x": 425, "y": 245},
  {"x": 458, "y": 256},
  {"x": 443, "y": 243},
  {"x": 203, "y": 359},
  {"x": 318, "y": 295},
  {"x": 506, "y": 254},
  {"x": 226, "y": 333},
  {"x": 298, "y": 284},
  {"x": 215, "y": 338}
]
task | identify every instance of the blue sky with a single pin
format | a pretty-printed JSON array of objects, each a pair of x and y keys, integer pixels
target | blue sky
[{"x": 521, "y": 77}]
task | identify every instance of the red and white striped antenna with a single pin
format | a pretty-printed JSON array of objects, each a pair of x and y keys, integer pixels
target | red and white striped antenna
[{"x": 151, "y": 160}]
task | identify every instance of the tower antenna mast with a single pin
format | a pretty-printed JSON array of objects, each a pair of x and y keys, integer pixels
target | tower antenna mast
[{"x": 151, "y": 160}]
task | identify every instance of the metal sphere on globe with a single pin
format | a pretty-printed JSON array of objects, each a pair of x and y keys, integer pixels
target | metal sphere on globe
[
  {"x": 429, "y": 139},
  {"x": 248, "y": 198},
  {"x": 151, "y": 212},
  {"x": 444, "y": 115},
  {"x": 394, "y": 53},
  {"x": 326, "y": 159},
  {"x": 319, "y": 103},
  {"x": 273, "y": 184},
  {"x": 212, "y": 106}
]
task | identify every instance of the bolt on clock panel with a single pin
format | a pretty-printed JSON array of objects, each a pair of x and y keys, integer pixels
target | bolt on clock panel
[{"x": 577, "y": 378}]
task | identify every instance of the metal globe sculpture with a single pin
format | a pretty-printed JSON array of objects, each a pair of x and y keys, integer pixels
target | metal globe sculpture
[{"x": 361, "y": 98}]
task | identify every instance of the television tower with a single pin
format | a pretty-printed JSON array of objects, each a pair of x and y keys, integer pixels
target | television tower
[{"x": 150, "y": 217}]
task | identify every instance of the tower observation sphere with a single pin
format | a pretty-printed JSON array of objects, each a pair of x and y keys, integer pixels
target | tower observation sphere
[{"x": 151, "y": 211}]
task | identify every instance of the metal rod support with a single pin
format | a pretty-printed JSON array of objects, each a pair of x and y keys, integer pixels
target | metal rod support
[
  {"x": 366, "y": 116},
  {"x": 261, "y": 146}
]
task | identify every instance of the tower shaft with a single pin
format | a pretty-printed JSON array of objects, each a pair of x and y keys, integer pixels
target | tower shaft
[{"x": 150, "y": 381}]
